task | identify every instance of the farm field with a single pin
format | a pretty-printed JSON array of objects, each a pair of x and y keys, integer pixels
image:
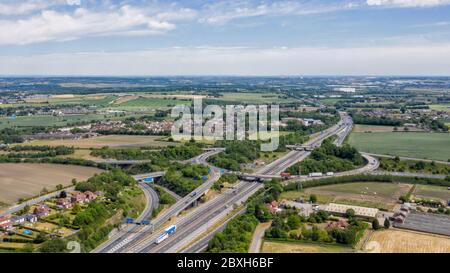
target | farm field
[
  {"x": 441, "y": 107},
  {"x": 255, "y": 98},
  {"x": 401, "y": 241},
  {"x": 27, "y": 180},
  {"x": 49, "y": 121},
  {"x": 419, "y": 145},
  {"x": 86, "y": 100},
  {"x": 302, "y": 247},
  {"x": 369, "y": 194},
  {"x": 151, "y": 102},
  {"x": 361, "y": 128},
  {"x": 116, "y": 141},
  {"x": 432, "y": 192}
]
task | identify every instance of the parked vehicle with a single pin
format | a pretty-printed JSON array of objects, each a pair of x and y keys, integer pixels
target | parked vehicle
[{"x": 315, "y": 174}]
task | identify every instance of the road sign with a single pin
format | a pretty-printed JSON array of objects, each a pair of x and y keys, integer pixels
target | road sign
[
  {"x": 204, "y": 178},
  {"x": 148, "y": 180}
]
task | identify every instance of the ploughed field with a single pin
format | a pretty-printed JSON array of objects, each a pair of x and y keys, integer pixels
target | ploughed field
[{"x": 27, "y": 180}]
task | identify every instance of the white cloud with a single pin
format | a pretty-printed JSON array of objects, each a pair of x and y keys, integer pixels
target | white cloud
[
  {"x": 408, "y": 3},
  {"x": 400, "y": 60},
  {"x": 51, "y": 25},
  {"x": 10, "y": 8},
  {"x": 224, "y": 11}
]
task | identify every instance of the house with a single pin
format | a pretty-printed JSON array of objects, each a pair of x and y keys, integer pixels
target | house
[
  {"x": 41, "y": 210},
  {"x": 32, "y": 218},
  {"x": 18, "y": 219},
  {"x": 5, "y": 222},
  {"x": 78, "y": 197},
  {"x": 89, "y": 196},
  {"x": 341, "y": 224},
  {"x": 273, "y": 207},
  {"x": 63, "y": 203}
]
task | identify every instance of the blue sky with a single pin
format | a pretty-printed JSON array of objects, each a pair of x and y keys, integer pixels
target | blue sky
[{"x": 239, "y": 37}]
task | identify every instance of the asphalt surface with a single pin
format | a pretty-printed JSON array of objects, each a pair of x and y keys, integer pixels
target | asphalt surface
[{"x": 121, "y": 243}]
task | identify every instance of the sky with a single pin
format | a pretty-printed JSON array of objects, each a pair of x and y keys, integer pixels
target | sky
[{"x": 239, "y": 37}]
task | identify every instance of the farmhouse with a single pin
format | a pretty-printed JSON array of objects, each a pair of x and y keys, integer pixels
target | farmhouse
[
  {"x": 41, "y": 210},
  {"x": 63, "y": 203},
  {"x": 5, "y": 222},
  {"x": 362, "y": 212}
]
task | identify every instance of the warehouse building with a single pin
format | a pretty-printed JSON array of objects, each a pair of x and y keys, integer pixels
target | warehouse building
[{"x": 362, "y": 212}]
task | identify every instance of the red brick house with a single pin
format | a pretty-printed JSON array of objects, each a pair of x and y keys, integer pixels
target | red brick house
[
  {"x": 5, "y": 222},
  {"x": 89, "y": 196},
  {"x": 41, "y": 210},
  {"x": 63, "y": 203},
  {"x": 78, "y": 197}
]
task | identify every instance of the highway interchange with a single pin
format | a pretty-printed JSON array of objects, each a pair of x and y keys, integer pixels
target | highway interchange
[
  {"x": 195, "y": 222},
  {"x": 196, "y": 226}
]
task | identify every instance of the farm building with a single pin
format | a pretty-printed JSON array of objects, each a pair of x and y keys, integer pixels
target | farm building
[{"x": 362, "y": 212}]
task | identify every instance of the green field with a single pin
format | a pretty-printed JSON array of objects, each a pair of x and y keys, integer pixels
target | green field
[
  {"x": 441, "y": 107},
  {"x": 152, "y": 103},
  {"x": 418, "y": 145},
  {"x": 366, "y": 194},
  {"x": 49, "y": 121},
  {"x": 255, "y": 98},
  {"x": 432, "y": 192}
]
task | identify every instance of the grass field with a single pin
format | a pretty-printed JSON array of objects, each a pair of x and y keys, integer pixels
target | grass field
[
  {"x": 368, "y": 194},
  {"x": 141, "y": 102},
  {"x": 49, "y": 121},
  {"x": 419, "y": 145},
  {"x": 362, "y": 128},
  {"x": 401, "y": 241},
  {"x": 27, "y": 180},
  {"x": 302, "y": 247},
  {"x": 441, "y": 107},
  {"x": 99, "y": 100},
  {"x": 110, "y": 141},
  {"x": 432, "y": 192},
  {"x": 255, "y": 98}
]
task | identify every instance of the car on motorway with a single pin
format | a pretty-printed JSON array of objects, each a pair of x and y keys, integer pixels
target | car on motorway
[{"x": 171, "y": 229}]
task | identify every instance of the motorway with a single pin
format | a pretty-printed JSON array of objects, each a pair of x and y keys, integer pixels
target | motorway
[
  {"x": 197, "y": 222},
  {"x": 121, "y": 242},
  {"x": 342, "y": 128}
]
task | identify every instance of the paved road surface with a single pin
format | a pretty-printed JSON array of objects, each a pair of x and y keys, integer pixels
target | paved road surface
[{"x": 258, "y": 236}]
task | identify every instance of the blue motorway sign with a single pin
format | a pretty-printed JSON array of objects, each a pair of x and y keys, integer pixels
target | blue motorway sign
[{"x": 148, "y": 180}]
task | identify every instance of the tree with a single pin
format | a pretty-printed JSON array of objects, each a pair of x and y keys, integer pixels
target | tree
[
  {"x": 313, "y": 198},
  {"x": 59, "y": 187},
  {"x": 375, "y": 224},
  {"x": 63, "y": 194},
  {"x": 74, "y": 181},
  {"x": 293, "y": 221},
  {"x": 76, "y": 209},
  {"x": 56, "y": 245},
  {"x": 387, "y": 224},
  {"x": 350, "y": 213},
  {"x": 44, "y": 190}
]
